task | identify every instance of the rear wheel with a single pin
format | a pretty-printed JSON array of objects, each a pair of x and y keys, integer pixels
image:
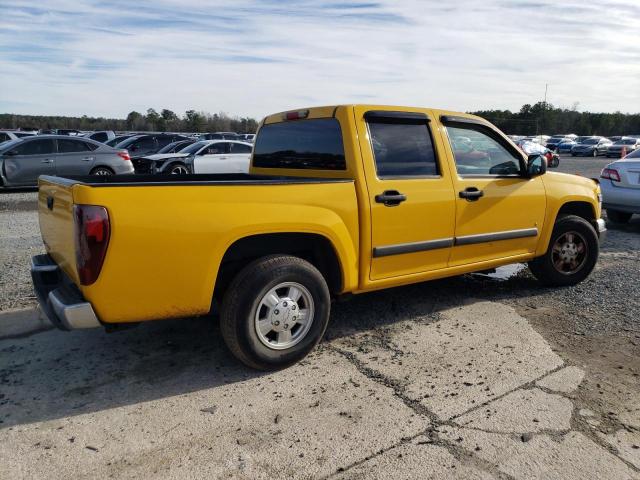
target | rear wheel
[
  {"x": 616, "y": 216},
  {"x": 275, "y": 311},
  {"x": 177, "y": 169},
  {"x": 572, "y": 253},
  {"x": 101, "y": 171}
]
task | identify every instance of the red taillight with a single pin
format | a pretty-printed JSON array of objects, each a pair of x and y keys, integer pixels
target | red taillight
[
  {"x": 125, "y": 156},
  {"x": 549, "y": 156},
  {"x": 610, "y": 173},
  {"x": 92, "y": 231},
  {"x": 297, "y": 115}
]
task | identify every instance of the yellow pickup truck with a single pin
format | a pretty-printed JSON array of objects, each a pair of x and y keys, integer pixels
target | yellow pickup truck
[{"x": 341, "y": 199}]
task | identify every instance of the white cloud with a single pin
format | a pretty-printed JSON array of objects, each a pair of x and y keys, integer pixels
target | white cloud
[{"x": 255, "y": 57}]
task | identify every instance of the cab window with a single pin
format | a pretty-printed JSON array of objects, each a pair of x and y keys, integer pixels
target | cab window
[
  {"x": 402, "y": 146},
  {"x": 476, "y": 151}
]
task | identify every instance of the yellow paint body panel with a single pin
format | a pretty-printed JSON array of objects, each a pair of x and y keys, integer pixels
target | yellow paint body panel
[{"x": 167, "y": 242}]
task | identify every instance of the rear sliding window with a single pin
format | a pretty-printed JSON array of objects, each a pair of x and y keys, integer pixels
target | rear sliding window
[{"x": 305, "y": 144}]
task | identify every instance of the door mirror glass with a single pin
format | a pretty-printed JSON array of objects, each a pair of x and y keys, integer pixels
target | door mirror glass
[{"x": 536, "y": 165}]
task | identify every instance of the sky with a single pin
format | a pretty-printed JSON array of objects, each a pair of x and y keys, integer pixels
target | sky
[{"x": 252, "y": 58}]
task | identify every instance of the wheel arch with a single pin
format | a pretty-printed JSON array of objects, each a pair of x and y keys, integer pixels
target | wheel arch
[{"x": 316, "y": 248}]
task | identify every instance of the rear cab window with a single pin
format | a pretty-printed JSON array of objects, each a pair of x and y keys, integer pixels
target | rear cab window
[
  {"x": 311, "y": 144},
  {"x": 402, "y": 145}
]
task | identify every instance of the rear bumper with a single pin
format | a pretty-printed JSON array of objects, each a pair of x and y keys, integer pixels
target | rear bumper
[
  {"x": 620, "y": 198},
  {"x": 59, "y": 298}
]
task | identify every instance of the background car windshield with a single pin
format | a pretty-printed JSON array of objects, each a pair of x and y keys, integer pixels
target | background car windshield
[
  {"x": 627, "y": 141},
  {"x": 591, "y": 141},
  {"x": 194, "y": 147},
  {"x": 125, "y": 143}
]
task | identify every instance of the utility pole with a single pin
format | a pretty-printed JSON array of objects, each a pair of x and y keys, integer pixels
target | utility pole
[{"x": 544, "y": 106}]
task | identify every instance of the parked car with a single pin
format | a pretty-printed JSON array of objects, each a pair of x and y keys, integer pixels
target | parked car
[
  {"x": 140, "y": 146},
  {"x": 247, "y": 137},
  {"x": 102, "y": 137},
  {"x": 117, "y": 139},
  {"x": 565, "y": 146},
  {"x": 205, "y": 156},
  {"x": 553, "y": 142},
  {"x": 174, "y": 147},
  {"x": 620, "y": 184},
  {"x": 219, "y": 136},
  {"x": 615, "y": 138},
  {"x": 24, "y": 159},
  {"x": 591, "y": 147},
  {"x": 624, "y": 144},
  {"x": 6, "y": 135},
  {"x": 341, "y": 199},
  {"x": 532, "y": 148},
  {"x": 72, "y": 132}
]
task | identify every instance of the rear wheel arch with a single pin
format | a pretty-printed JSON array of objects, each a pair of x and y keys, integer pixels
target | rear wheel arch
[{"x": 312, "y": 247}]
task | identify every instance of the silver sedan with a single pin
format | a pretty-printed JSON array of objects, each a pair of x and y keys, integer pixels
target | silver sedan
[
  {"x": 620, "y": 184},
  {"x": 23, "y": 160}
]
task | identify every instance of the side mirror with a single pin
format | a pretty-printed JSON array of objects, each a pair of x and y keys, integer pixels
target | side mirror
[{"x": 536, "y": 165}]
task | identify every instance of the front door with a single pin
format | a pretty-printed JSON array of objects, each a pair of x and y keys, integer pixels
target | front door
[
  {"x": 410, "y": 192},
  {"x": 212, "y": 159},
  {"x": 499, "y": 212},
  {"x": 30, "y": 159}
]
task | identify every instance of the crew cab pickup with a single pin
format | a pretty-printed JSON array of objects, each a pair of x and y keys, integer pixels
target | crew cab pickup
[{"x": 341, "y": 199}]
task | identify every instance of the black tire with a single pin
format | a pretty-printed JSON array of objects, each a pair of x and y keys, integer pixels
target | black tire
[
  {"x": 573, "y": 154},
  {"x": 243, "y": 298},
  {"x": 177, "y": 168},
  {"x": 595, "y": 152},
  {"x": 101, "y": 171},
  {"x": 544, "y": 269},
  {"x": 616, "y": 216}
]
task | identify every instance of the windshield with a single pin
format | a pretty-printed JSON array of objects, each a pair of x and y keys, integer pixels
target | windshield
[
  {"x": 125, "y": 143},
  {"x": 591, "y": 141},
  {"x": 194, "y": 147},
  {"x": 8, "y": 145},
  {"x": 634, "y": 154},
  {"x": 626, "y": 141}
]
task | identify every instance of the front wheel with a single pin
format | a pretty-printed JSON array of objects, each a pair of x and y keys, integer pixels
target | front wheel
[
  {"x": 572, "y": 253},
  {"x": 177, "y": 169},
  {"x": 595, "y": 152},
  {"x": 101, "y": 171},
  {"x": 275, "y": 311}
]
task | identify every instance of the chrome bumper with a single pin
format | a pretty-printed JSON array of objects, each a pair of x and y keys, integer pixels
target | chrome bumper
[
  {"x": 59, "y": 298},
  {"x": 601, "y": 228}
]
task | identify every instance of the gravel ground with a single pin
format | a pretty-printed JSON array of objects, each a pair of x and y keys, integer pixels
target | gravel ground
[{"x": 90, "y": 382}]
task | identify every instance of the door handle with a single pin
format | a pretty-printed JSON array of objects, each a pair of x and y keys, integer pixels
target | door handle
[
  {"x": 390, "y": 198},
  {"x": 46, "y": 160},
  {"x": 87, "y": 159},
  {"x": 471, "y": 194}
]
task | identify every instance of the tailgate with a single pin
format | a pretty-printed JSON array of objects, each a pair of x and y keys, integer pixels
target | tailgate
[{"x": 55, "y": 212}]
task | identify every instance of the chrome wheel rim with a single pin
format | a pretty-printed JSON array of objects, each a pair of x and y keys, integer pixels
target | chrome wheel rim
[
  {"x": 569, "y": 253},
  {"x": 102, "y": 171},
  {"x": 179, "y": 170},
  {"x": 284, "y": 315}
]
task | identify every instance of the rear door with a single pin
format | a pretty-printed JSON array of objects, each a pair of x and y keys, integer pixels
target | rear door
[
  {"x": 212, "y": 159},
  {"x": 410, "y": 192},
  {"x": 239, "y": 157},
  {"x": 499, "y": 213},
  {"x": 27, "y": 161},
  {"x": 74, "y": 157}
]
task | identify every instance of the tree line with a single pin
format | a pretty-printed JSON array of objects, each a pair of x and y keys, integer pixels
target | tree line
[
  {"x": 544, "y": 118},
  {"x": 151, "y": 121},
  {"x": 541, "y": 118}
]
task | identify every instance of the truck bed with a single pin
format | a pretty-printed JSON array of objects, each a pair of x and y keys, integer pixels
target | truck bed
[{"x": 169, "y": 233}]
